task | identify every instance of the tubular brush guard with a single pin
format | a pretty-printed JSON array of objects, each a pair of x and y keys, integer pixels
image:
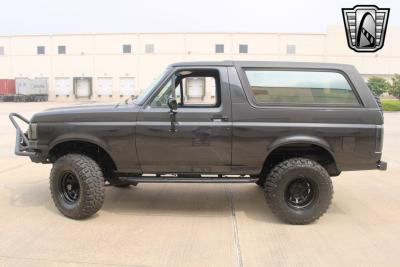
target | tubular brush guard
[{"x": 22, "y": 147}]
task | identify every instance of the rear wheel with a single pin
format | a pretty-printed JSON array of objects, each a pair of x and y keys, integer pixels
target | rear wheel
[
  {"x": 298, "y": 190},
  {"x": 77, "y": 186}
]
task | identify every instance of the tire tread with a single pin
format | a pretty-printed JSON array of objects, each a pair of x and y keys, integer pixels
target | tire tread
[
  {"x": 92, "y": 191},
  {"x": 272, "y": 183}
]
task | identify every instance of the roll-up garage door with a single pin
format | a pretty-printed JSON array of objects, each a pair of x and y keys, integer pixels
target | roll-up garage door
[
  {"x": 104, "y": 86},
  {"x": 195, "y": 87},
  {"x": 126, "y": 86},
  {"x": 63, "y": 86},
  {"x": 83, "y": 87}
]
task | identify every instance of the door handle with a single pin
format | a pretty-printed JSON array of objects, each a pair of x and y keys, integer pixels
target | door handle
[{"x": 219, "y": 118}]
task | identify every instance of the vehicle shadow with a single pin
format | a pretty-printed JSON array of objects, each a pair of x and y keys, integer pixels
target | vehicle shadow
[
  {"x": 179, "y": 200},
  {"x": 208, "y": 200}
]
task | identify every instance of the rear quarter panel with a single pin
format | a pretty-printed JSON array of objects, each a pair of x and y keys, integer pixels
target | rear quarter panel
[{"x": 347, "y": 132}]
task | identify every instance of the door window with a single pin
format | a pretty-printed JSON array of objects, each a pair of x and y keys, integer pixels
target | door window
[
  {"x": 197, "y": 91},
  {"x": 192, "y": 89}
]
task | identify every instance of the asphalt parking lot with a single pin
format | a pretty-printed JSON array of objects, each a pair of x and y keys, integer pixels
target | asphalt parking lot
[{"x": 195, "y": 224}]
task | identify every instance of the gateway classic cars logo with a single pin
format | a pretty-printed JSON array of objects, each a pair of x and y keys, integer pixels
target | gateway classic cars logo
[{"x": 365, "y": 27}]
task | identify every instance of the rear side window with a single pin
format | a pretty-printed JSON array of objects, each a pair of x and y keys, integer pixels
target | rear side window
[{"x": 300, "y": 87}]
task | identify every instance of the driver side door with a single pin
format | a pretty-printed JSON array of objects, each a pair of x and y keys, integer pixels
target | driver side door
[{"x": 202, "y": 140}]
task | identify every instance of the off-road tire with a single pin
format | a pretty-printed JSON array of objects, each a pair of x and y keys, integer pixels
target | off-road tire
[
  {"x": 260, "y": 182},
  {"x": 283, "y": 175},
  {"x": 91, "y": 186}
]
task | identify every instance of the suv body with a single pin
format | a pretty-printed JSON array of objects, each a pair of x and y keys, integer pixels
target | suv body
[{"x": 257, "y": 116}]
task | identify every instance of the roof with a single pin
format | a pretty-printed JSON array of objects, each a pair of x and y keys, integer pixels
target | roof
[
  {"x": 62, "y": 34},
  {"x": 265, "y": 64},
  {"x": 204, "y": 63}
]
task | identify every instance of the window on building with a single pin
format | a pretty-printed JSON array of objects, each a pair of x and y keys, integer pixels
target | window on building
[
  {"x": 126, "y": 49},
  {"x": 243, "y": 48},
  {"x": 40, "y": 50},
  {"x": 291, "y": 49},
  {"x": 300, "y": 87},
  {"x": 1, "y": 50},
  {"x": 62, "y": 49},
  {"x": 149, "y": 48},
  {"x": 219, "y": 48}
]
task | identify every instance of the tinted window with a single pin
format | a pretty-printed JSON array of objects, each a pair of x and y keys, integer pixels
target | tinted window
[
  {"x": 243, "y": 49},
  {"x": 40, "y": 50},
  {"x": 291, "y": 49},
  {"x": 61, "y": 49},
  {"x": 149, "y": 48},
  {"x": 219, "y": 48},
  {"x": 126, "y": 48},
  {"x": 300, "y": 87}
]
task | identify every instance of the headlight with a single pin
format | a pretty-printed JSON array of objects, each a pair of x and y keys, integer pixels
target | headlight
[{"x": 32, "y": 132}]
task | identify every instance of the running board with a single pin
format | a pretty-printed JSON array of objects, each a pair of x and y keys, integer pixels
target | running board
[{"x": 174, "y": 179}]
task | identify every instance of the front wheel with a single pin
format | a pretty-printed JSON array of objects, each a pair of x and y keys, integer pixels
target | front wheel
[
  {"x": 77, "y": 186},
  {"x": 298, "y": 190}
]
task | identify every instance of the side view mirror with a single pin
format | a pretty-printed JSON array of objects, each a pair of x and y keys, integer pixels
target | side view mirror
[{"x": 172, "y": 104}]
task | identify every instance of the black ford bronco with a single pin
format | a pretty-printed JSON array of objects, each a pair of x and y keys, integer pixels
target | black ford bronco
[{"x": 286, "y": 126}]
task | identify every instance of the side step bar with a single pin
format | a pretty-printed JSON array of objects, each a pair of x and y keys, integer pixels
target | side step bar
[{"x": 174, "y": 179}]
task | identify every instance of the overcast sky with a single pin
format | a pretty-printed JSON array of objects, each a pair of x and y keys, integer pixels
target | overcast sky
[{"x": 88, "y": 16}]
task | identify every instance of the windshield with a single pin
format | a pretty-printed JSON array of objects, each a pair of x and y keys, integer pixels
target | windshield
[{"x": 143, "y": 96}]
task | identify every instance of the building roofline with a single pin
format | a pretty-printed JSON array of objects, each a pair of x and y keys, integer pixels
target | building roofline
[{"x": 150, "y": 33}]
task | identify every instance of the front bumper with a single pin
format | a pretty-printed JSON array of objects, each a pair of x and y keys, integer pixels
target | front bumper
[
  {"x": 23, "y": 145},
  {"x": 381, "y": 165}
]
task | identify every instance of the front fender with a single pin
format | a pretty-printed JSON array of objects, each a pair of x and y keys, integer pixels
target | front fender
[{"x": 82, "y": 137}]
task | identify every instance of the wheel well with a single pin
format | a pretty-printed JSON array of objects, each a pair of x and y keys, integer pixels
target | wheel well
[
  {"x": 91, "y": 150},
  {"x": 304, "y": 150}
]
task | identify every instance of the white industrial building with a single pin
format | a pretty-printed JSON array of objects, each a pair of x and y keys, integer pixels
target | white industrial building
[{"x": 112, "y": 66}]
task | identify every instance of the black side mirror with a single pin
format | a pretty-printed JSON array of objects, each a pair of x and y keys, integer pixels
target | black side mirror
[{"x": 172, "y": 104}]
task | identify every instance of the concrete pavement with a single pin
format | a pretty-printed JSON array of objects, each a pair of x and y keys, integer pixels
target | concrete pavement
[{"x": 195, "y": 224}]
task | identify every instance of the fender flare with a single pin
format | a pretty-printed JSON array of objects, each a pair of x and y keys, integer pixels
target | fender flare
[
  {"x": 71, "y": 137},
  {"x": 300, "y": 139}
]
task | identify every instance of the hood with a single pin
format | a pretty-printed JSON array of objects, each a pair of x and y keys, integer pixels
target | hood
[{"x": 88, "y": 113}]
